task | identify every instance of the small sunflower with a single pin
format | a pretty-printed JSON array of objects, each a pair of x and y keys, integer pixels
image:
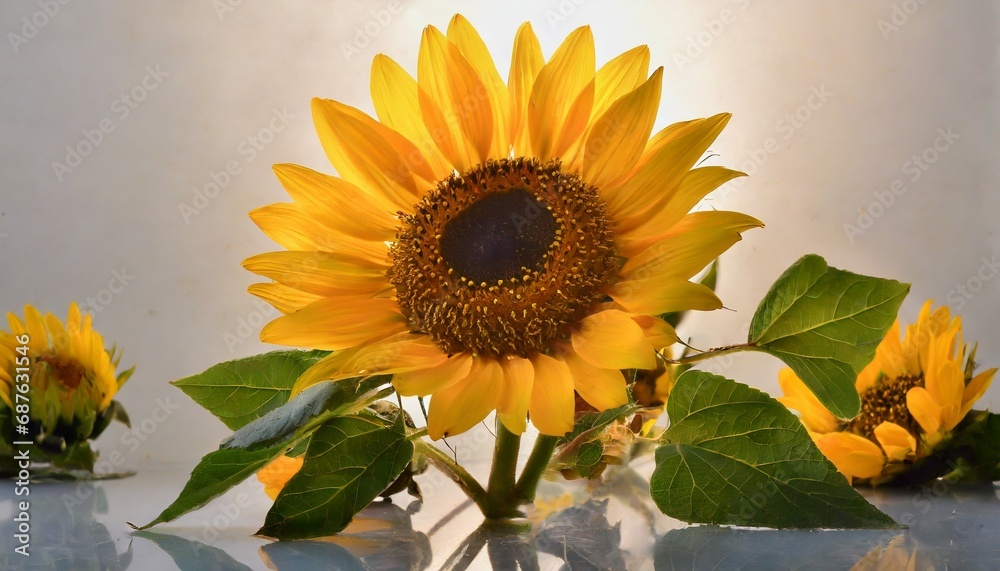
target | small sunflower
[
  {"x": 913, "y": 394},
  {"x": 496, "y": 245},
  {"x": 71, "y": 376}
]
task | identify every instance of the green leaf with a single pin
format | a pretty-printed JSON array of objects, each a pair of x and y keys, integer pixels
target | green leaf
[
  {"x": 242, "y": 390},
  {"x": 216, "y": 473},
  {"x": 735, "y": 456},
  {"x": 350, "y": 460},
  {"x": 825, "y": 324},
  {"x": 311, "y": 406}
]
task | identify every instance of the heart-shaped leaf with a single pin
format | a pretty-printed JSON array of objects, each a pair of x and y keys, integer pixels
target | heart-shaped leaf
[
  {"x": 825, "y": 324},
  {"x": 733, "y": 455}
]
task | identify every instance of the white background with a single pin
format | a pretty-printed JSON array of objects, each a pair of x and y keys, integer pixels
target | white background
[{"x": 893, "y": 73}]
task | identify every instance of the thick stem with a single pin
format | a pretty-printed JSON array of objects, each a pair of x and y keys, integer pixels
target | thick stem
[
  {"x": 457, "y": 473},
  {"x": 538, "y": 461},
  {"x": 500, "y": 489}
]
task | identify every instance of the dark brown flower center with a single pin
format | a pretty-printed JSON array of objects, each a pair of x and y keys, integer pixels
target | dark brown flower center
[
  {"x": 69, "y": 372},
  {"x": 504, "y": 258},
  {"x": 885, "y": 401}
]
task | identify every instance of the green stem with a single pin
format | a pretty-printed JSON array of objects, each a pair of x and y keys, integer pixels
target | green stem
[
  {"x": 500, "y": 489},
  {"x": 538, "y": 461},
  {"x": 717, "y": 352},
  {"x": 453, "y": 470}
]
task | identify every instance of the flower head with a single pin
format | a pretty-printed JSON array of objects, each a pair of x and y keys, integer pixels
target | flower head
[
  {"x": 71, "y": 376},
  {"x": 496, "y": 245},
  {"x": 913, "y": 394}
]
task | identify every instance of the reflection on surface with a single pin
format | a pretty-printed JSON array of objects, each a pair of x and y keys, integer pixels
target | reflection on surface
[
  {"x": 63, "y": 531},
  {"x": 949, "y": 528},
  {"x": 380, "y": 537},
  {"x": 577, "y": 526}
]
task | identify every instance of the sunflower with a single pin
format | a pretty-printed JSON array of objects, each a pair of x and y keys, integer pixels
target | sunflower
[
  {"x": 276, "y": 474},
  {"x": 71, "y": 376},
  {"x": 496, "y": 246},
  {"x": 913, "y": 394}
]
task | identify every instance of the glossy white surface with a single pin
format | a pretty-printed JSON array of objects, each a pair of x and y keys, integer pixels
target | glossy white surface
[
  {"x": 77, "y": 527},
  {"x": 879, "y": 91}
]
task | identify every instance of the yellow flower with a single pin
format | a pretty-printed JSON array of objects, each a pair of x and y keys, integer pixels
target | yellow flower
[
  {"x": 497, "y": 246},
  {"x": 276, "y": 474},
  {"x": 915, "y": 391},
  {"x": 71, "y": 376}
]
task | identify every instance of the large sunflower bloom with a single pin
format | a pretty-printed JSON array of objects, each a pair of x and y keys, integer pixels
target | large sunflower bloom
[
  {"x": 497, "y": 246},
  {"x": 71, "y": 376},
  {"x": 913, "y": 394}
]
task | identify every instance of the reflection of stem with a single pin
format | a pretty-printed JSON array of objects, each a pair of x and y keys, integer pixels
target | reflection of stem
[
  {"x": 448, "y": 517},
  {"x": 466, "y": 552},
  {"x": 716, "y": 352},
  {"x": 453, "y": 470},
  {"x": 500, "y": 489},
  {"x": 538, "y": 461}
]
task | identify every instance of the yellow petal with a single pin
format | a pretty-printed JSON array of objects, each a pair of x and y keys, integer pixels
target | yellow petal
[
  {"x": 276, "y": 474},
  {"x": 568, "y": 145},
  {"x": 797, "y": 396},
  {"x": 656, "y": 296},
  {"x": 362, "y": 156},
  {"x": 397, "y": 104},
  {"x": 690, "y": 245},
  {"x": 335, "y": 324},
  {"x": 612, "y": 340},
  {"x": 526, "y": 61},
  {"x": 619, "y": 76},
  {"x": 339, "y": 204},
  {"x": 658, "y": 332},
  {"x": 552, "y": 402},
  {"x": 35, "y": 327},
  {"x": 471, "y": 46},
  {"x": 396, "y": 354},
  {"x": 519, "y": 376},
  {"x": 977, "y": 387},
  {"x": 459, "y": 407},
  {"x": 896, "y": 441},
  {"x": 675, "y": 205},
  {"x": 924, "y": 410},
  {"x": 327, "y": 274},
  {"x": 944, "y": 376},
  {"x": 290, "y": 226},
  {"x": 664, "y": 170},
  {"x": 423, "y": 382},
  {"x": 284, "y": 298},
  {"x": 557, "y": 87},
  {"x": 601, "y": 388},
  {"x": 855, "y": 456},
  {"x": 454, "y": 101},
  {"x": 619, "y": 136}
]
